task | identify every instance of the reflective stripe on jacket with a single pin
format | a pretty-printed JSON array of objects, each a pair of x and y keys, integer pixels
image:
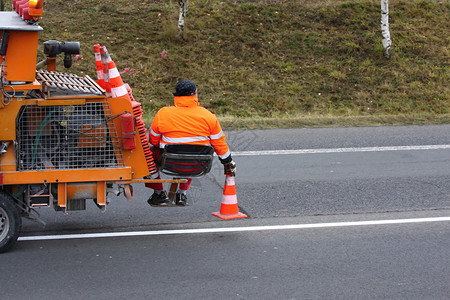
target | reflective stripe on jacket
[{"x": 188, "y": 123}]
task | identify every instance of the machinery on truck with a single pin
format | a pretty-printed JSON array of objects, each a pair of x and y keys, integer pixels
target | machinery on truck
[{"x": 63, "y": 138}]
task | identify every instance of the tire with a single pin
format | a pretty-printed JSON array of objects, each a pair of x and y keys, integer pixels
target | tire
[{"x": 10, "y": 222}]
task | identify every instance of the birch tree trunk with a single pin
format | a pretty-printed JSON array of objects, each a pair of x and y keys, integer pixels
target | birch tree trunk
[
  {"x": 385, "y": 27},
  {"x": 183, "y": 11}
]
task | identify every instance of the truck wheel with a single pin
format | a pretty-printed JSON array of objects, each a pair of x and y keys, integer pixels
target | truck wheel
[{"x": 10, "y": 222}]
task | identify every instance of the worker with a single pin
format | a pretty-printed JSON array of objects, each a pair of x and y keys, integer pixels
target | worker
[{"x": 186, "y": 123}]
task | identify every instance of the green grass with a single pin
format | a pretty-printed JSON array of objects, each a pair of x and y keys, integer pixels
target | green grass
[{"x": 273, "y": 63}]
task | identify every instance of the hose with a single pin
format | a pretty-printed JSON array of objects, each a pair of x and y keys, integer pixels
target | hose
[{"x": 38, "y": 135}]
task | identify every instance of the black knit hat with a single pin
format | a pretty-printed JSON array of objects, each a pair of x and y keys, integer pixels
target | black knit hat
[{"x": 185, "y": 88}]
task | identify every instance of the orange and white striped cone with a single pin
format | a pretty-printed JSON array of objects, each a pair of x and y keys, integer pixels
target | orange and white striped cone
[
  {"x": 105, "y": 59},
  {"x": 229, "y": 208},
  {"x": 118, "y": 89},
  {"x": 99, "y": 66}
]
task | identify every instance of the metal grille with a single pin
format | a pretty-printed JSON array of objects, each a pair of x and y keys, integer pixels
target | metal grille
[
  {"x": 67, "y": 137},
  {"x": 64, "y": 84}
]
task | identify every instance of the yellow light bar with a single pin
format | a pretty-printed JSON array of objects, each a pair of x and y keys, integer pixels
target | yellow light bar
[{"x": 35, "y": 9}]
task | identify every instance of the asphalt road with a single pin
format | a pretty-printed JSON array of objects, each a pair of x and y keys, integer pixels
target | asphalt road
[{"x": 330, "y": 176}]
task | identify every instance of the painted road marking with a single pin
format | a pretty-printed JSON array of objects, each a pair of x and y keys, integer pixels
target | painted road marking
[
  {"x": 341, "y": 150},
  {"x": 233, "y": 229}
]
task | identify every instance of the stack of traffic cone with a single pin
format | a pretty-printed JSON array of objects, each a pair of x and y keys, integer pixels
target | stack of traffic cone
[
  {"x": 229, "y": 208},
  {"x": 109, "y": 78}
]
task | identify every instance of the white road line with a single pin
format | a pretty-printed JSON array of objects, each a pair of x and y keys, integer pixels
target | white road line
[
  {"x": 341, "y": 150},
  {"x": 232, "y": 229}
]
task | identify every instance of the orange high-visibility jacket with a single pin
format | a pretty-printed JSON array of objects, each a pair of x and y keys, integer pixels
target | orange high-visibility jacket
[{"x": 188, "y": 123}]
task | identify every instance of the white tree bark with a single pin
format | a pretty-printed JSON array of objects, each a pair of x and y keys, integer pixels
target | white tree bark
[
  {"x": 183, "y": 11},
  {"x": 385, "y": 27}
]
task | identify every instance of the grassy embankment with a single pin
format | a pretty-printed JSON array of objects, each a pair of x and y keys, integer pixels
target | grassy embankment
[{"x": 272, "y": 63}]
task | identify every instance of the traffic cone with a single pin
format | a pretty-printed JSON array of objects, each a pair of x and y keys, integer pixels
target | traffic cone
[
  {"x": 99, "y": 66},
  {"x": 229, "y": 208},
  {"x": 118, "y": 89},
  {"x": 105, "y": 57}
]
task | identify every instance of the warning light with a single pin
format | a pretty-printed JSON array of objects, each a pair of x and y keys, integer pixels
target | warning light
[{"x": 35, "y": 9}]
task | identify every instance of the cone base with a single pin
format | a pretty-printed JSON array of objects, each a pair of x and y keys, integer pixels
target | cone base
[{"x": 229, "y": 217}]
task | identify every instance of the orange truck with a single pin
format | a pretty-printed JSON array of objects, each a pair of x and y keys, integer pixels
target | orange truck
[{"x": 62, "y": 139}]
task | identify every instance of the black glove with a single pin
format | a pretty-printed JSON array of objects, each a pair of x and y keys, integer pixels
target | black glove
[{"x": 230, "y": 168}]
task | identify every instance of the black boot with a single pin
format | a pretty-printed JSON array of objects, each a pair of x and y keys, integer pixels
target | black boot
[
  {"x": 180, "y": 199},
  {"x": 159, "y": 199}
]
